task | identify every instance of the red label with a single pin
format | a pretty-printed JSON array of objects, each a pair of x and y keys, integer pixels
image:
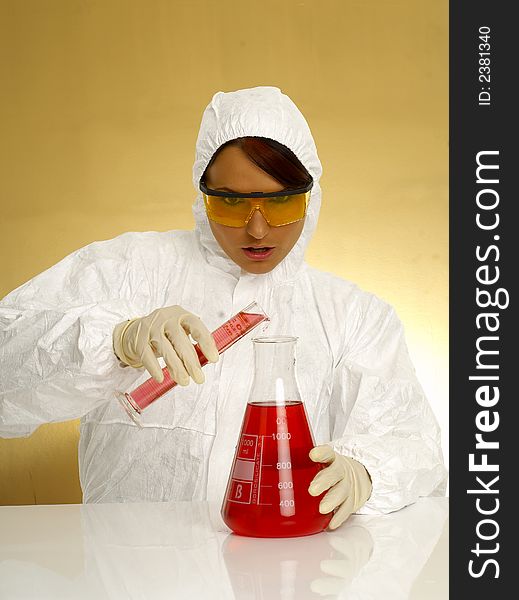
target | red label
[
  {"x": 248, "y": 444},
  {"x": 240, "y": 491}
]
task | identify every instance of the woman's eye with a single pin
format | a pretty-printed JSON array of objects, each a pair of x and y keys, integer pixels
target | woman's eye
[
  {"x": 280, "y": 199},
  {"x": 232, "y": 201}
]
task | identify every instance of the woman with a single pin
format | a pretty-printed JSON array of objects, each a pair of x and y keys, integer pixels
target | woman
[{"x": 367, "y": 410}]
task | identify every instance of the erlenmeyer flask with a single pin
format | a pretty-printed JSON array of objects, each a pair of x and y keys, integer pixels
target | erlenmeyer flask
[{"x": 267, "y": 492}]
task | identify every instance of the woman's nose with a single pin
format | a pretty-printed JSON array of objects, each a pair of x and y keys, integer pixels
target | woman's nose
[{"x": 257, "y": 225}]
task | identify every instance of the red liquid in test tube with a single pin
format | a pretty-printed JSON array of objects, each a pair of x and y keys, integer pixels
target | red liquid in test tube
[{"x": 225, "y": 336}]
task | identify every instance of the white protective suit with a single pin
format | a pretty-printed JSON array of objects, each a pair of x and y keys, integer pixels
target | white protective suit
[{"x": 353, "y": 368}]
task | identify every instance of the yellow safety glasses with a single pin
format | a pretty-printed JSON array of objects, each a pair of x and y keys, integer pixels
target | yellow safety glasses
[{"x": 235, "y": 209}]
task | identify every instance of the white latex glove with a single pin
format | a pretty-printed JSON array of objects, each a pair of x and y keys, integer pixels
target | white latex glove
[
  {"x": 164, "y": 332},
  {"x": 349, "y": 482}
]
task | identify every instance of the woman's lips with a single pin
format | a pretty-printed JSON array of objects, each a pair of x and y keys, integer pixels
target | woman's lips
[{"x": 258, "y": 253}]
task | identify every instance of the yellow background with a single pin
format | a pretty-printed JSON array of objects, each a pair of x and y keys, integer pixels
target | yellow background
[{"x": 100, "y": 106}]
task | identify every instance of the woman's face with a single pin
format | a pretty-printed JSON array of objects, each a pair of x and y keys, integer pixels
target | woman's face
[{"x": 233, "y": 171}]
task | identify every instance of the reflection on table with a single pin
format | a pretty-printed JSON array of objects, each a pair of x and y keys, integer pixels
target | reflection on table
[{"x": 184, "y": 550}]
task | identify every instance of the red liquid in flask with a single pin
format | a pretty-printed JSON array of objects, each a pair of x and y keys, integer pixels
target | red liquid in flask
[
  {"x": 267, "y": 493},
  {"x": 225, "y": 336}
]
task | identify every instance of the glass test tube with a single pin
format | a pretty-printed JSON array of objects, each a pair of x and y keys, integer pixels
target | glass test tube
[{"x": 225, "y": 336}]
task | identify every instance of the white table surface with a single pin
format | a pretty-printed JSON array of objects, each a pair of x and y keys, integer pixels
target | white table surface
[{"x": 184, "y": 550}]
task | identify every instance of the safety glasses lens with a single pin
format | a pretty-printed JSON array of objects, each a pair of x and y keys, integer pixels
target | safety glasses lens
[{"x": 235, "y": 212}]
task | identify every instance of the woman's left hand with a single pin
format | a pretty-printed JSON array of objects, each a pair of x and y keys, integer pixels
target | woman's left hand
[{"x": 348, "y": 482}]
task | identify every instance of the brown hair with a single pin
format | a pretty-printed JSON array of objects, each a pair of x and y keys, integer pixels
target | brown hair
[{"x": 272, "y": 157}]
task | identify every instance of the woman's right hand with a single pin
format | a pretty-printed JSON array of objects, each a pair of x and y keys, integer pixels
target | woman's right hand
[{"x": 164, "y": 332}]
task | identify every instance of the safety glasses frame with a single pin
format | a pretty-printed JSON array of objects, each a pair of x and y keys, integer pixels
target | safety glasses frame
[
  {"x": 209, "y": 192},
  {"x": 256, "y": 202}
]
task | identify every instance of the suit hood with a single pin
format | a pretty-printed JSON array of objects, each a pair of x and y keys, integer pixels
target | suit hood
[{"x": 262, "y": 111}]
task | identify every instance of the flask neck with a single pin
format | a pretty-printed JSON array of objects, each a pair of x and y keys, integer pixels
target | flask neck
[{"x": 274, "y": 376}]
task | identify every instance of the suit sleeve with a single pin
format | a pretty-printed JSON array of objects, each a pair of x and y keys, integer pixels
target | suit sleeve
[
  {"x": 381, "y": 417},
  {"x": 56, "y": 356}
]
